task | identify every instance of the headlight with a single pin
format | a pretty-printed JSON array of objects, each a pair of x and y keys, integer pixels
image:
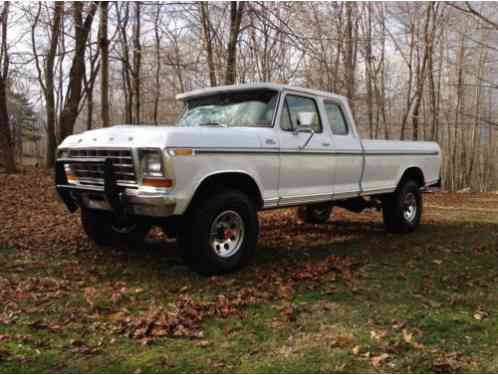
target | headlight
[
  {"x": 152, "y": 163},
  {"x": 63, "y": 153}
]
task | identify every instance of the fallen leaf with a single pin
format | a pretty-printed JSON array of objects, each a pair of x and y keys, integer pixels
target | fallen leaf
[
  {"x": 480, "y": 314},
  {"x": 356, "y": 350},
  {"x": 286, "y": 291},
  {"x": 289, "y": 313},
  {"x": 407, "y": 336},
  {"x": 377, "y": 360},
  {"x": 203, "y": 343},
  {"x": 89, "y": 294},
  {"x": 378, "y": 335}
]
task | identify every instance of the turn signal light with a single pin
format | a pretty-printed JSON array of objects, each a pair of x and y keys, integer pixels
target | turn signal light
[
  {"x": 181, "y": 151},
  {"x": 158, "y": 182},
  {"x": 70, "y": 176}
]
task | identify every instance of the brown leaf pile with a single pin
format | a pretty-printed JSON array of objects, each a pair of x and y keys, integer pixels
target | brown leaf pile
[
  {"x": 43, "y": 234},
  {"x": 32, "y": 218}
]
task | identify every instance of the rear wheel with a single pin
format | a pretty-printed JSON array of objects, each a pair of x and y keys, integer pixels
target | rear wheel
[
  {"x": 317, "y": 214},
  {"x": 220, "y": 234},
  {"x": 103, "y": 228},
  {"x": 402, "y": 210}
]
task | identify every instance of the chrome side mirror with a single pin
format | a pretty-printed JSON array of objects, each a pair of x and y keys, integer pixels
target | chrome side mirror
[
  {"x": 304, "y": 122},
  {"x": 305, "y": 119}
]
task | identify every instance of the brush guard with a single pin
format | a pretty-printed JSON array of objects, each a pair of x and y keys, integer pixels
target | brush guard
[{"x": 71, "y": 194}]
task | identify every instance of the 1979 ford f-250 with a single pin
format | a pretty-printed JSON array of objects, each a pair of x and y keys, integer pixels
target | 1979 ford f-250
[{"x": 236, "y": 150}]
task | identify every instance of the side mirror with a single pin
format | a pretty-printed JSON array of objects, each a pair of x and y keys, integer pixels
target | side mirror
[
  {"x": 305, "y": 119},
  {"x": 304, "y": 122}
]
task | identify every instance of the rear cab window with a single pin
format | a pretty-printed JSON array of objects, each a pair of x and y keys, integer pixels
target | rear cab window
[{"x": 336, "y": 119}]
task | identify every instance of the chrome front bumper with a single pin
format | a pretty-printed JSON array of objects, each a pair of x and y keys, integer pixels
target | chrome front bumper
[
  {"x": 137, "y": 203},
  {"x": 111, "y": 197}
]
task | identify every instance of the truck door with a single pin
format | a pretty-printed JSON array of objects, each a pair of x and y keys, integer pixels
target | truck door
[
  {"x": 348, "y": 150},
  {"x": 305, "y": 160}
]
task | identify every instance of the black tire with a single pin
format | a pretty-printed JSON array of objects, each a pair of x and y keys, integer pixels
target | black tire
[
  {"x": 314, "y": 214},
  {"x": 102, "y": 228},
  {"x": 196, "y": 242},
  {"x": 398, "y": 217}
]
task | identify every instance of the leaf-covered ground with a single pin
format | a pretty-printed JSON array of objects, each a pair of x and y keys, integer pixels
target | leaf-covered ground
[{"x": 340, "y": 297}]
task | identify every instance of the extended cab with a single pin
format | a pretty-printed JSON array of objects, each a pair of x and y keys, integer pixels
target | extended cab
[{"x": 236, "y": 150}]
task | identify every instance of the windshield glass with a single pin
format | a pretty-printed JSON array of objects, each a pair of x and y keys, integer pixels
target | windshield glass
[{"x": 249, "y": 108}]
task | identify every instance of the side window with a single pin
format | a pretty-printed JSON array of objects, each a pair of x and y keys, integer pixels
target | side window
[
  {"x": 336, "y": 119},
  {"x": 294, "y": 105},
  {"x": 285, "y": 120}
]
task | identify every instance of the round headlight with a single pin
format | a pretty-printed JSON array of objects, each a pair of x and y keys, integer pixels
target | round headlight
[{"x": 63, "y": 153}]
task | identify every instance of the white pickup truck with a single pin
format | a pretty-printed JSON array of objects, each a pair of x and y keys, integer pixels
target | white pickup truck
[{"x": 236, "y": 150}]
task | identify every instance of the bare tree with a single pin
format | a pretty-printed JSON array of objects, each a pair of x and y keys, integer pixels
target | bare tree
[
  {"x": 236, "y": 13},
  {"x": 104, "y": 64},
  {"x": 89, "y": 78},
  {"x": 82, "y": 29},
  {"x": 137, "y": 60},
  {"x": 45, "y": 68},
  {"x": 5, "y": 133},
  {"x": 208, "y": 41},
  {"x": 157, "y": 39},
  {"x": 126, "y": 67}
]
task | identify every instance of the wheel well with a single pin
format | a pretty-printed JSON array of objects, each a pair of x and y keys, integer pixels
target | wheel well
[
  {"x": 413, "y": 173},
  {"x": 233, "y": 180}
]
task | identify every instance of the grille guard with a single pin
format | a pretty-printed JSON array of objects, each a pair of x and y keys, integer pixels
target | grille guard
[{"x": 111, "y": 192}]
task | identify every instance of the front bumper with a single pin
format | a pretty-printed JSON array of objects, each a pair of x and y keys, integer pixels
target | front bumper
[{"x": 111, "y": 197}]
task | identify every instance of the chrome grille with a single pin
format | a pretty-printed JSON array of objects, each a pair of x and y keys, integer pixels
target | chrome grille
[{"x": 93, "y": 173}]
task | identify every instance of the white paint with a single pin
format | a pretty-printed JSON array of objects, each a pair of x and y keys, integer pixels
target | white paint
[{"x": 329, "y": 167}]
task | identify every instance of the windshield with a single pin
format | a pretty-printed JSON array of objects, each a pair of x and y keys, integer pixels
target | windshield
[{"x": 249, "y": 108}]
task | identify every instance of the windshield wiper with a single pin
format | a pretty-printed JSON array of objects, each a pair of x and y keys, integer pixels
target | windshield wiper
[
  {"x": 262, "y": 123},
  {"x": 213, "y": 123}
]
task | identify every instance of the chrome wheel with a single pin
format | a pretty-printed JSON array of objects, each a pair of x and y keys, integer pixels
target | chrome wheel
[
  {"x": 227, "y": 234},
  {"x": 410, "y": 207}
]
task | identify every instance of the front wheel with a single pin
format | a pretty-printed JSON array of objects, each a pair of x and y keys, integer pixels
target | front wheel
[
  {"x": 220, "y": 234},
  {"x": 103, "y": 229},
  {"x": 402, "y": 210}
]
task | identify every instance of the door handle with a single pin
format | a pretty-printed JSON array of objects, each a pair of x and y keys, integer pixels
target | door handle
[
  {"x": 270, "y": 141},
  {"x": 326, "y": 144}
]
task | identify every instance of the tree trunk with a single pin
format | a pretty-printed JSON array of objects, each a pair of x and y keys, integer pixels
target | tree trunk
[
  {"x": 76, "y": 74},
  {"x": 89, "y": 109},
  {"x": 104, "y": 67},
  {"x": 126, "y": 68},
  {"x": 137, "y": 61},
  {"x": 421, "y": 76},
  {"x": 7, "y": 146},
  {"x": 350, "y": 55},
  {"x": 5, "y": 134},
  {"x": 46, "y": 78},
  {"x": 208, "y": 41},
  {"x": 157, "y": 38},
  {"x": 368, "y": 70},
  {"x": 50, "y": 85},
  {"x": 236, "y": 12}
]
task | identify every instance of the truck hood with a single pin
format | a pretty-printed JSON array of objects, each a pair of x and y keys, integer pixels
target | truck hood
[{"x": 132, "y": 136}]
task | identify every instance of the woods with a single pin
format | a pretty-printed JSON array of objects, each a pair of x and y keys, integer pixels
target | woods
[{"x": 411, "y": 71}]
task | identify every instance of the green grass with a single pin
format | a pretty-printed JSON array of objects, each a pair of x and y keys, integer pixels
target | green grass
[{"x": 438, "y": 285}]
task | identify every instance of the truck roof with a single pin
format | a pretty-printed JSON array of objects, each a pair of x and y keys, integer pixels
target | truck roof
[{"x": 255, "y": 86}]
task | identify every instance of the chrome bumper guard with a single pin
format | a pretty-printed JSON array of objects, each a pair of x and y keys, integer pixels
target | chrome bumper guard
[{"x": 111, "y": 196}]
